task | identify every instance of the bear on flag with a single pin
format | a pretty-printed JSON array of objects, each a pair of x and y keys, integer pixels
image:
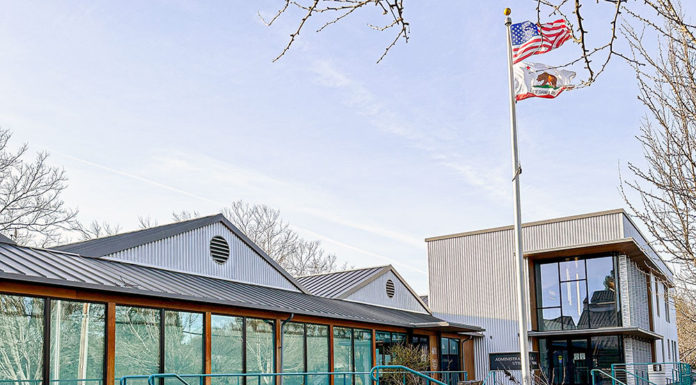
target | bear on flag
[{"x": 540, "y": 80}]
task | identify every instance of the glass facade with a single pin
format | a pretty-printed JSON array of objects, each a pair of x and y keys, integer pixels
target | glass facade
[
  {"x": 577, "y": 294},
  {"x": 293, "y": 352},
  {"x": 568, "y": 361},
  {"x": 343, "y": 354},
  {"x": 138, "y": 333},
  {"x": 363, "y": 355},
  {"x": 21, "y": 333},
  {"x": 226, "y": 345},
  {"x": 305, "y": 349},
  {"x": 318, "y": 353},
  {"x": 77, "y": 341},
  {"x": 260, "y": 347},
  {"x": 183, "y": 342},
  {"x": 383, "y": 343}
]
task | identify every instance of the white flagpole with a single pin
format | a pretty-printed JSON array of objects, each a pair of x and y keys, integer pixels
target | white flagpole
[{"x": 522, "y": 307}]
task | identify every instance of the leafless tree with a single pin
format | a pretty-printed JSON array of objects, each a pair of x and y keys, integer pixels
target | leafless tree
[
  {"x": 96, "y": 229},
  {"x": 685, "y": 305},
  {"x": 147, "y": 222},
  {"x": 661, "y": 193},
  {"x": 333, "y": 11},
  {"x": 31, "y": 206},
  {"x": 265, "y": 227},
  {"x": 593, "y": 54}
]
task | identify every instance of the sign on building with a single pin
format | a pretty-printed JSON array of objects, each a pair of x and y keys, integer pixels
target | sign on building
[{"x": 511, "y": 361}]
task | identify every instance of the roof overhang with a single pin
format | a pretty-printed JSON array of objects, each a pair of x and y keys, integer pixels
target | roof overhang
[
  {"x": 631, "y": 331},
  {"x": 448, "y": 327},
  {"x": 626, "y": 246}
]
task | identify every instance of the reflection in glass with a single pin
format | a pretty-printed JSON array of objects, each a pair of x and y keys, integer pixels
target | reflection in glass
[
  {"x": 572, "y": 270},
  {"x": 293, "y": 352},
  {"x": 343, "y": 354},
  {"x": 574, "y": 300},
  {"x": 183, "y": 343},
  {"x": 318, "y": 353},
  {"x": 547, "y": 281},
  {"x": 550, "y": 319},
  {"x": 260, "y": 343},
  {"x": 77, "y": 340},
  {"x": 21, "y": 333},
  {"x": 582, "y": 296},
  {"x": 137, "y": 341},
  {"x": 601, "y": 284},
  {"x": 363, "y": 355},
  {"x": 226, "y": 344}
]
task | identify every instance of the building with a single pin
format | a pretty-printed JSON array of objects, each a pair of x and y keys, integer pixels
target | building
[
  {"x": 599, "y": 294},
  {"x": 199, "y": 297}
]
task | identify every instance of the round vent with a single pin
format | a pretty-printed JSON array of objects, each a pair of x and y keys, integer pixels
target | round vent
[
  {"x": 219, "y": 249},
  {"x": 390, "y": 288}
]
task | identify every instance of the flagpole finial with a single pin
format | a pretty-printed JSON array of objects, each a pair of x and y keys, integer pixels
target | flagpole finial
[{"x": 507, "y": 12}]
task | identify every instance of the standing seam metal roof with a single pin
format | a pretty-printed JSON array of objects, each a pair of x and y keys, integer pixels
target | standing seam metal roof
[
  {"x": 332, "y": 285},
  {"x": 52, "y": 267}
]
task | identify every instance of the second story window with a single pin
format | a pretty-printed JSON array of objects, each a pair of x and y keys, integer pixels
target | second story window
[
  {"x": 657, "y": 298},
  {"x": 576, "y": 294},
  {"x": 666, "y": 291}
]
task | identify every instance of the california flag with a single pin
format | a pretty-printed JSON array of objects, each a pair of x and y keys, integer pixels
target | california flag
[{"x": 539, "y": 80}]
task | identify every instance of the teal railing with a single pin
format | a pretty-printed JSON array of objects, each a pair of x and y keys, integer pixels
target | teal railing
[
  {"x": 340, "y": 378},
  {"x": 680, "y": 373},
  {"x": 489, "y": 379},
  {"x": 403, "y": 370},
  {"x": 613, "y": 379},
  {"x": 79, "y": 381}
]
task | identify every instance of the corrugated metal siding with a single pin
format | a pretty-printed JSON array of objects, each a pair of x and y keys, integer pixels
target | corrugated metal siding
[
  {"x": 375, "y": 293},
  {"x": 189, "y": 252},
  {"x": 631, "y": 231}
]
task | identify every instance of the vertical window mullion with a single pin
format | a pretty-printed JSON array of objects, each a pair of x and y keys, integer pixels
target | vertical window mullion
[
  {"x": 589, "y": 299},
  {"x": 46, "y": 370},
  {"x": 161, "y": 345},
  {"x": 560, "y": 293}
]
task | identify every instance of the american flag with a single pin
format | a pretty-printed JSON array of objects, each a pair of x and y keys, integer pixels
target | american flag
[{"x": 530, "y": 39}]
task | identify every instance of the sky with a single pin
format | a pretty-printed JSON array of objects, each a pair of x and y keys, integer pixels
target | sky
[{"x": 160, "y": 106}]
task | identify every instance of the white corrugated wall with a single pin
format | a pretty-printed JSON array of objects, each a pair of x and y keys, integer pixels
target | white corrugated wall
[{"x": 189, "y": 252}]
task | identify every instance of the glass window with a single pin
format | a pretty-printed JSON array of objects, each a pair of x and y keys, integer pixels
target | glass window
[
  {"x": 183, "y": 342},
  {"x": 343, "y": 354},
  {"x": 657, "y": 298},
  {"x": 293, "y": 352},
  {"x": 77, "y": 340},
  {"x": 577, "y": 294},
  {"x": 547, "y": 283},
  {"x": 363, "y": 355},
  {"x": 574, "y": 301},
  {"x": 318, "y": 360},
  {"x": 601, "y": 285},
  {"x": 666, "y": 291},
  {"x": 572, "y": 270},
  {"x": 21, "y": 333},
  {"x": 260, "y": 347},
  {"x": 226, "y": 344},
  {"x": 606, "y": 350},
  {"x": 137, "y": 341},
  {"x": 550, "y": 319}
]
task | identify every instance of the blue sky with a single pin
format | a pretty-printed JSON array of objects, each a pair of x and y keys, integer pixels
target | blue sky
[{"x": 159, "y": 106}]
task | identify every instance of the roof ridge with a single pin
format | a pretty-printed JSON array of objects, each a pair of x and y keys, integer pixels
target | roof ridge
[
  {"x": 138, "y": 231},
  {"x": 343, "y": 271}
]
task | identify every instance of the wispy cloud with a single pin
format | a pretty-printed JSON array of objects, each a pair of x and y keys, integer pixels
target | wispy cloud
[{"x": 368, "y": 104}]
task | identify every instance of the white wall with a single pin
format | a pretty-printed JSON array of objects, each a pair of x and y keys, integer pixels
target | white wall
[
  {"x": 375, "y": 293},
  {"x": 190, "y": 253}
]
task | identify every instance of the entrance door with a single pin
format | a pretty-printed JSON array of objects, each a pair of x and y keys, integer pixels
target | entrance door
[{"x": 568, "y": 362}]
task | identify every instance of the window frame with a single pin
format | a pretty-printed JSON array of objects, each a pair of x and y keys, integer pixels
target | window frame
[{"x": 561, "y": 281}]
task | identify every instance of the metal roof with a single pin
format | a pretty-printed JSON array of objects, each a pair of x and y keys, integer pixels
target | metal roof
[
  {"x": 333, "y": 285},
  {"x": 63, "y": 269},
  {"x": 104, "y": 246}
]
